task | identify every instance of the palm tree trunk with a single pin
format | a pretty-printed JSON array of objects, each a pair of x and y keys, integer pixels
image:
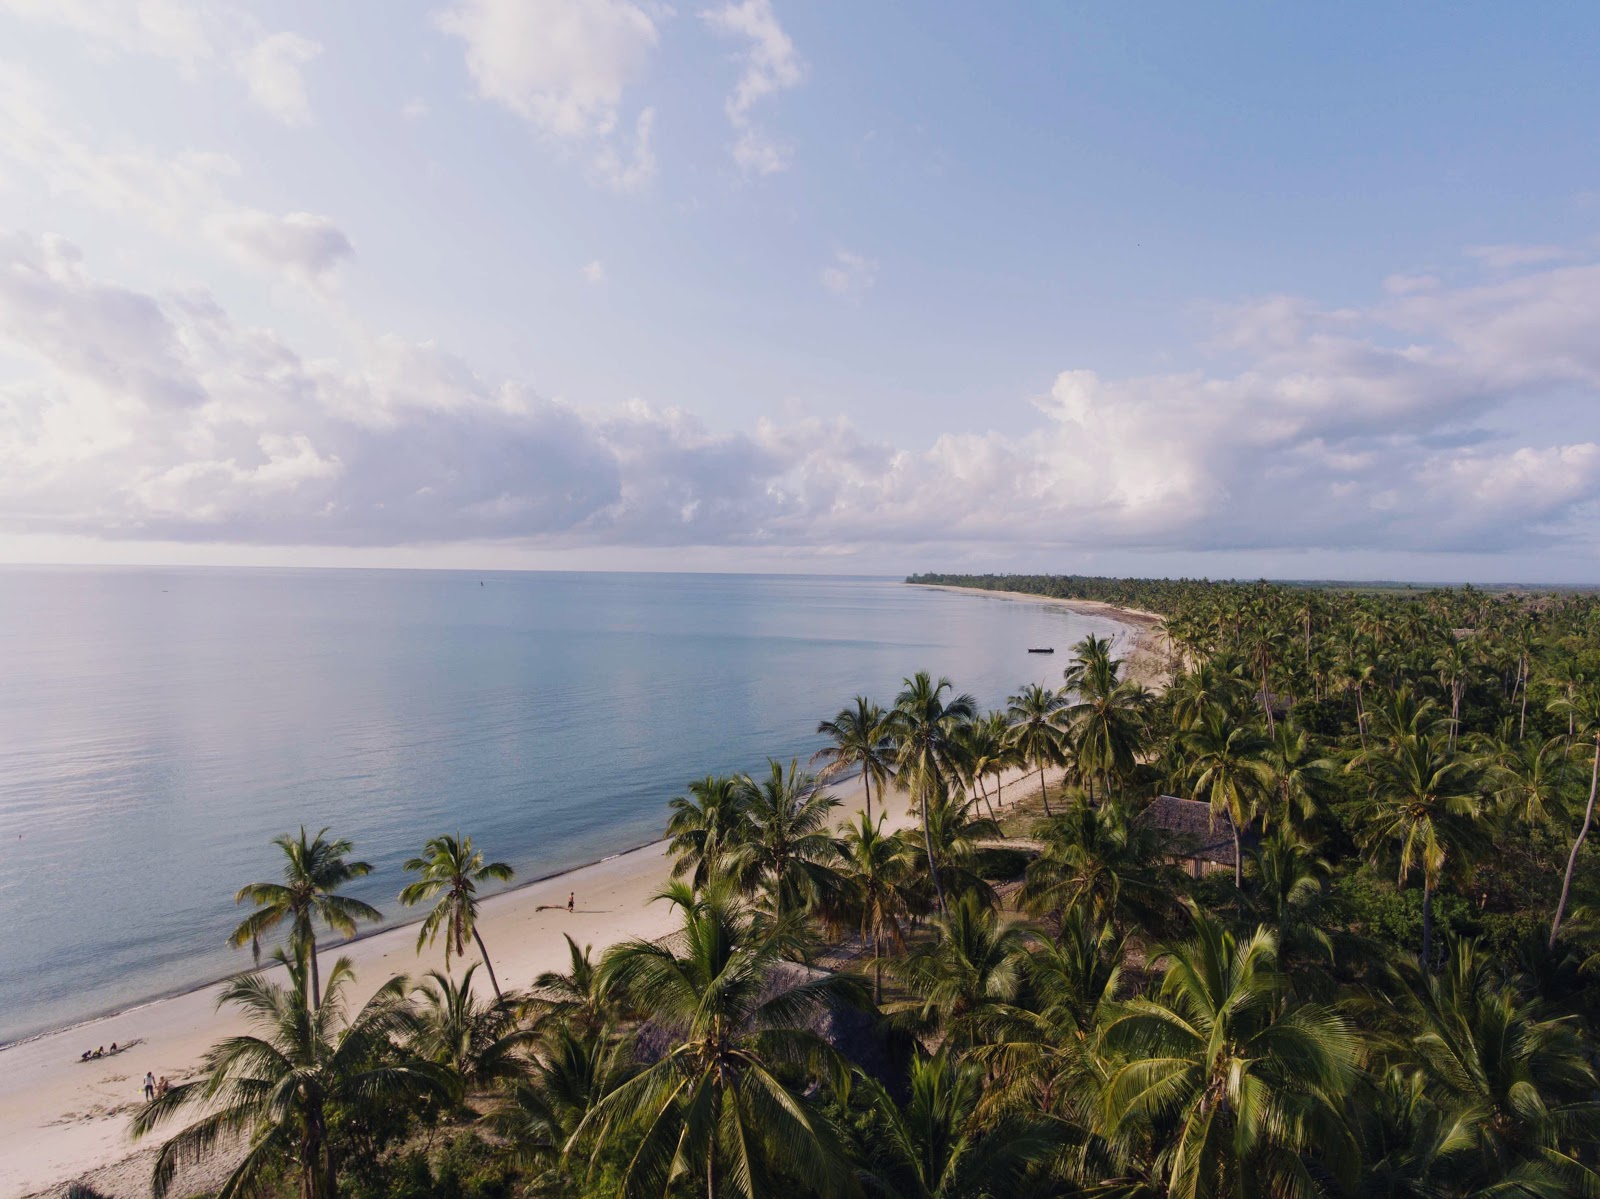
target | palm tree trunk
[
  {"x": 1522, "y": 727},
  {"x": 1042, "y": 791},
  {"x": 933, "y": 868},
  {"x": 316, "y": 978},
  {"x": 1238, "y": 855},
  {"x": 1577, "y": 844},
  {"x": 877, "y": 967},
  {"x": 484, "y": 950},
  {"x": 866, "y": 783},
  {"x": 1427, "y": 923}
]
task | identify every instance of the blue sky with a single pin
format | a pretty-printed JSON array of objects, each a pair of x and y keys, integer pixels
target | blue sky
[{"x": 1229, "y": 289}]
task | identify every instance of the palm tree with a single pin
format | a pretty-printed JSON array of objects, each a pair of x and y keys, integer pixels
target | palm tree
[
  {"x": 1577, "y": 843},
  {"x": 1518, "y": 1086},
  {"x": 788, "y": 847},
  {"x": 582, "y": 997},
  {"x": 974, "y": 965},
  {"x": 938, "y": 1147},
  {"x": 1424, "y": 810},
  {"x": 1454, "y": 666},
  {"x": 1237, "y": 1089},
  {"x": 286, "y": 1084},
  {"x": 450, "y": 870},
  {"x": 542, "y": 1111},
  {"x": 1299, "y": 777},
  {"x": 925, "y": 728},
  {"x": 861, "y": 740},
  {"x": 713, "y": 1107},
  {"x": 1230, "y": 771},
  {"x": 478, "y": 1042},
  {"x": 1106, "y": 722},
  {"x": 704, "y": 824},
  {"x": 313, "y": 870},
  {"x": 876, "y": 877},
  {"x": 1104, "y": 861},
  {"x": 1034, "y": 734}
]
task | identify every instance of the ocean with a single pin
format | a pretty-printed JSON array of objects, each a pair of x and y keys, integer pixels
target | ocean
[{"x": 159, "y": 726}]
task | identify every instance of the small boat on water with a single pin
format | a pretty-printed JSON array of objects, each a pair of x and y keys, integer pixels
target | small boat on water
[{"x": 1048, "y": 649}]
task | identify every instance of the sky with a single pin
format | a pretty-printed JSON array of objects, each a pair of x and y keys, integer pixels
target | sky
[{"x": 1241, "y": 289}]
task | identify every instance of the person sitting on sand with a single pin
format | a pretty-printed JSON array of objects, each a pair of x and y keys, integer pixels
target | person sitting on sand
[
  {"x": 101, "y": 1052},
  {"x": 87, "y": 1054},
  {"x": 163, "y": 1086},
  {"x": 113, "y": 1046}
]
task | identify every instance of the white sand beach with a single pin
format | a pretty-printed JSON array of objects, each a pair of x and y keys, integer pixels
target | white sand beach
[{"x": 62, "y": 1120}]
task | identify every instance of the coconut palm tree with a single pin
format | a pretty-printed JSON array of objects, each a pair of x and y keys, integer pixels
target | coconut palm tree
[
  {"x": 1519, "y": 1086},
  {"x": 704, "y": 824},
  {"x": 714, "y": 1108},
  {"x": 1103, "y": 860},
  {"x": 582, "y": 997},
  {"x": 480, "y": 1043},
  {"x": 1237, "y": 1090},
  {"x": 861, "y": 741},
  {"x": 566, "y": 1077},
  {"x": 1106, "y": 720},
  {"x": 1454, "y": 666},
  {"x": 925, "y": 729},
  {"x": 314, "y": 869},
  {"x": 788, "y": 848},
  {"x": 876, "y": 871},
  {"x": 1230, "y": 771},
  {"x": 285, "y": 1085},
  {"x": 974, "y": 965},
  {"x": 449, "y": 871},
  {"x": 937, "y": 1146},
  {"x": 1577, "y": 843},
  {"x": 1300, "y": 777},
  {"x": 1035, "y": 736},
  {"x": 1423, "y": 811}
]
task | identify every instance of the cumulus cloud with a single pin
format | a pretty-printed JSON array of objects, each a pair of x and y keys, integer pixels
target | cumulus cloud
[
  {"x": 272, "y": 71},
  {"x": 564, "y": 67},
  {"x": 145, "y": 416},
  {"x": 771, "y": 65},
  {"x": 194, "y": 34},
  {"x": 177, "y": 194},
  {"x": 848, "y": 274}
]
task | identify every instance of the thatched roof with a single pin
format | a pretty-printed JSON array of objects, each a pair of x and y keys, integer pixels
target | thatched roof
[
  {"x": 1188, "y": 822},
  {"x": 854, "y": 1032}
]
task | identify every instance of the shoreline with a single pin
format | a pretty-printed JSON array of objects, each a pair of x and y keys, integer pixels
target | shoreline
[
  {"x": 1148, "y": 663},
  {"x": 63, "y": 1120}
]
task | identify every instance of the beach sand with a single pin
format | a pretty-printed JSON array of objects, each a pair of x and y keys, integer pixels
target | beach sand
[{"x": 62, "y": 1120}]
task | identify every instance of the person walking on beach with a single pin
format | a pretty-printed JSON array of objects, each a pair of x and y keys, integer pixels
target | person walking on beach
[
  {"x": 149, "y": 1086},
  {"x": 572, "y": 900}
]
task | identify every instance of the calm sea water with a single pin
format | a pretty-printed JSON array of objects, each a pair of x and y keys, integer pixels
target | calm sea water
[{"x": 158, "y": 727}]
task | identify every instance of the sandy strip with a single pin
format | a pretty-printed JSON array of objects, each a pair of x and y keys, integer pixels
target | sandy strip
[
  {"x": 63, "y": 1120},
  {"x": 1149, "y": 658}
]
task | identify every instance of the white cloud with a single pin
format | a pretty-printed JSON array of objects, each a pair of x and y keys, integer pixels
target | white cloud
[
  {"x": 272, "y": 69},
  {"x": 195, "y": 34},
  {"x": 1503, "y": 257},
  {"x": 595, "y": 272},
  {"x": 848, "y": 274},
  {"x": 623, "y": 168},
  {"x": 414, "y": 109},
  {"x": 771, "y": 65},
  {"x": 300, "y": 244},
  {"x": 145, "y": 416},
  {"x": 178, "y": 195},
  {"x": 564, "y": 66}
]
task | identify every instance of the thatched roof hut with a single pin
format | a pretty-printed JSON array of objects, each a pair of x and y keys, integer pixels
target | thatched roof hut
[{"x": 1201, "y": 840}]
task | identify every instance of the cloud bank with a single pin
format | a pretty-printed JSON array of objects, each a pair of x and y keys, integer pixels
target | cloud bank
[{"x": 143, "y": 416}]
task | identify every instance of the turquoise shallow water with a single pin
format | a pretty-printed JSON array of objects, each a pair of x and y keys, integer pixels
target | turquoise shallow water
[{"x": 158, "y": 727}]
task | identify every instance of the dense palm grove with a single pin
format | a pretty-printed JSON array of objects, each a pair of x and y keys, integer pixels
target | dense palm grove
[{"x": 1022, "y": 992}]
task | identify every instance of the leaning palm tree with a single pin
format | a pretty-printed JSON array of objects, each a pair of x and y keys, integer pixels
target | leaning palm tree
[
  {"x": 1424, "y": 812},
  {"x": 1034, "y": 732},
  {"x": 875, "y": 866},
  {"x": 938, "y": 1146},
  {"x": 286, "y": 1084},
  {"x": 313, "y": 870},
  {"x": 925, "y": 728},
  {"x": 714, "y": 1108},
  {"x": 450, "y": 870},
  {"x": 861, "y": 741},
  {"x": 1238, "y": 1092},
  {"x": 1230, "y": 771}
]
